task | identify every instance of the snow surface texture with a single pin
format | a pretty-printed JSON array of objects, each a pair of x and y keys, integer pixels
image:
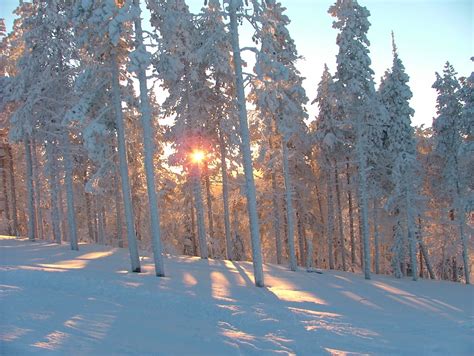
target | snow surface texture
[{"x": 58, "y": 301}]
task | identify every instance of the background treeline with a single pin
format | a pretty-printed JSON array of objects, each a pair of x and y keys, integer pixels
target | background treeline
[{"x": 164, "y": 140}]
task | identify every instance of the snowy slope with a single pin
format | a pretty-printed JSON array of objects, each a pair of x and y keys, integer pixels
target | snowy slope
[{"x": 56, "y": 301}]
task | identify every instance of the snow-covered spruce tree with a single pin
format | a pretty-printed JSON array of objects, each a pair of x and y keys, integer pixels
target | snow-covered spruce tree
[
  {"x": 449, "y": 136},
  {"x": 7, "y": 187},
  {"x": 140, "y": 60},
  {"x": 103, "y": 31},
  {"x": 44, "y": 75},
  {"x": 7, "y": 71},
  {"x": 425, "y": 227},
  {"x": 21, "y": 122},
  {"x": 401, "y": 147},
  {"x": 329, "y": 139},
  {"x": 378, "y": 175},
  {"x": 467, "y": 96},
  {"x": 467, "y": 128},
  {"x": 357, "y": 97},
  {"x": 188, "y": 95},
  {"x": 94, "y": 116},
  {"x": 214, "y": 54},
  {"x": 233, "y": 8},
  {"x": 60, "y": 67},
  {"x": 279, "y": 97},
  {"x": 36, "y": 152}
]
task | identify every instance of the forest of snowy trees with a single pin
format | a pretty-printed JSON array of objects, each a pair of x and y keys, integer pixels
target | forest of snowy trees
[{"x": 168, "y": 141}]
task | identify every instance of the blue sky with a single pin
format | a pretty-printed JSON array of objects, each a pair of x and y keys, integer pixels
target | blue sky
[{"x": 428, "y": 33}]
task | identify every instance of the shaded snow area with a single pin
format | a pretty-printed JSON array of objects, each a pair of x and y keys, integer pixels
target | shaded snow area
[{"x": 56, "y": 301}]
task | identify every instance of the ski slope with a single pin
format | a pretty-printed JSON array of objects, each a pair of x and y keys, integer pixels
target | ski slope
[{"x": 56, "y": 301}]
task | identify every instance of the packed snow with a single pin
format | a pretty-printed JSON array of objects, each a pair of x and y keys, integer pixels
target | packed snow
[{"x": 58, "y": 301}]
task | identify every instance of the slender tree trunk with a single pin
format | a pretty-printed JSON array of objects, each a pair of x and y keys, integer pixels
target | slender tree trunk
[
  {"x": 100, "y": 218},
  {"x": 320, "y": 205},
  {"x": 137, "y": 209},
  {"x": 12, "y": 190},
  {"x": 376, "y": 237},
  {"x": 245, "y": 148},
  {"x": 104, "y": 213},
  {"x": 210, "y": 220},
  {"x": 239, "y": 251},
  {"x": 317, "y": 240},
  {"x": 362, "y": 162},
  {"x": 90, "y": 220},
  {"x": 193, "y": 223},
  {"x": 87, "y": 198},
  {"x": 196, "y": 177},
  {"x": 71, "y": 214},
  {"x": 461, "y": 219},
  {"x": 29, "y": 186},
  {"x": 301, "y": 235},
  {"x": 53, "y": 186},
  {"x": 37, "y": 189},
  {"x": 95, "y": 219},
  {"x": 339, "y": 216},
  {"x": 320, "y": 210},
  {"x": 422, "y": 272},
  {"x": 118, "y": 211},
  {"x": 404, "y": 243},
  {"x": 401, "y": 241},
  {"x": 61, "y": 213},
  {"x": 330, "y": 218},
  {"x": 275, "y": 208},
  {"x": 322, "y": 224},
  {"x": 411, "y": 234},
  {"x": 423, "y": 250},
  {"x": 3, "y": 160},
  {"x": 302, "y": 220},
  {"x": 225, "y": 198},
  {"x": 122, "y": 151},
  {"x": 361, "y": 240},
  {"x": 149, "y": 152},
  {"x": 351, "y": 215},
  {"x": 309, "y": 253},
  {"x": 455, "y": 270},
  {"x": 397, "y": 250},
  {"x": 285, "y": 229},
  {"x": 289, "y": 207}
]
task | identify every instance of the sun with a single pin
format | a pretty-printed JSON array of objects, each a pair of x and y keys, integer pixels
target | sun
[{"x": 197, "y": 156}]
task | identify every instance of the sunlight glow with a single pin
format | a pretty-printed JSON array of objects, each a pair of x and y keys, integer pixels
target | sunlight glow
[
  {"x": 235, "y": 334},
  {"x": 7, "y": 237},
  {"x": 94, "y": 326},
  {"x": 67, "y": 264},
  {"x": 360, "y": 299},
  {"x": 189, "y": 280},
  {"x": 197, "y": 156},
  {"x": 220, "y": 287},
  {"x": 13, "y": 333},
  {"x": 53, "y": 340},
  {"x": 334, "y": 352},
  {"x": 296, "y": 296},
  {"x": 96, "y": 255}
]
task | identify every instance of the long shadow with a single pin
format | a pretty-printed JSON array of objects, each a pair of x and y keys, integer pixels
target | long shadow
[{"x": 243, "y": 274}]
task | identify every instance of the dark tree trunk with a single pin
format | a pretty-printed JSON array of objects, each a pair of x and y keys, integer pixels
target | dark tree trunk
[
  {"x": 342, "y": 245},
  {"x": 12, "y": 190},
  {"x": 3, "y": 161},
  {"x": 351, "y": 215}
]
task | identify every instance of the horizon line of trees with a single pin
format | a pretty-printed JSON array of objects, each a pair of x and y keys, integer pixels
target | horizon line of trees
[{"x": 225, "y": 162}]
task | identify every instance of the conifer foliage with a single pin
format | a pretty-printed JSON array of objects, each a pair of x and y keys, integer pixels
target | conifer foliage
[{"x": 199, "y": 141}]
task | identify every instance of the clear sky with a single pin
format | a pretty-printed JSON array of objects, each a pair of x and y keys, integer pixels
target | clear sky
[{"x": 428, "y": 33}]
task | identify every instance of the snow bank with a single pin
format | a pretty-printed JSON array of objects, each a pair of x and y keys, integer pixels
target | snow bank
[{"x": 57, "y": 301}]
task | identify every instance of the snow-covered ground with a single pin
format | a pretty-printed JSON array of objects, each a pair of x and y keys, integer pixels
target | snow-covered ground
[{"x": 57, "y": 301}]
